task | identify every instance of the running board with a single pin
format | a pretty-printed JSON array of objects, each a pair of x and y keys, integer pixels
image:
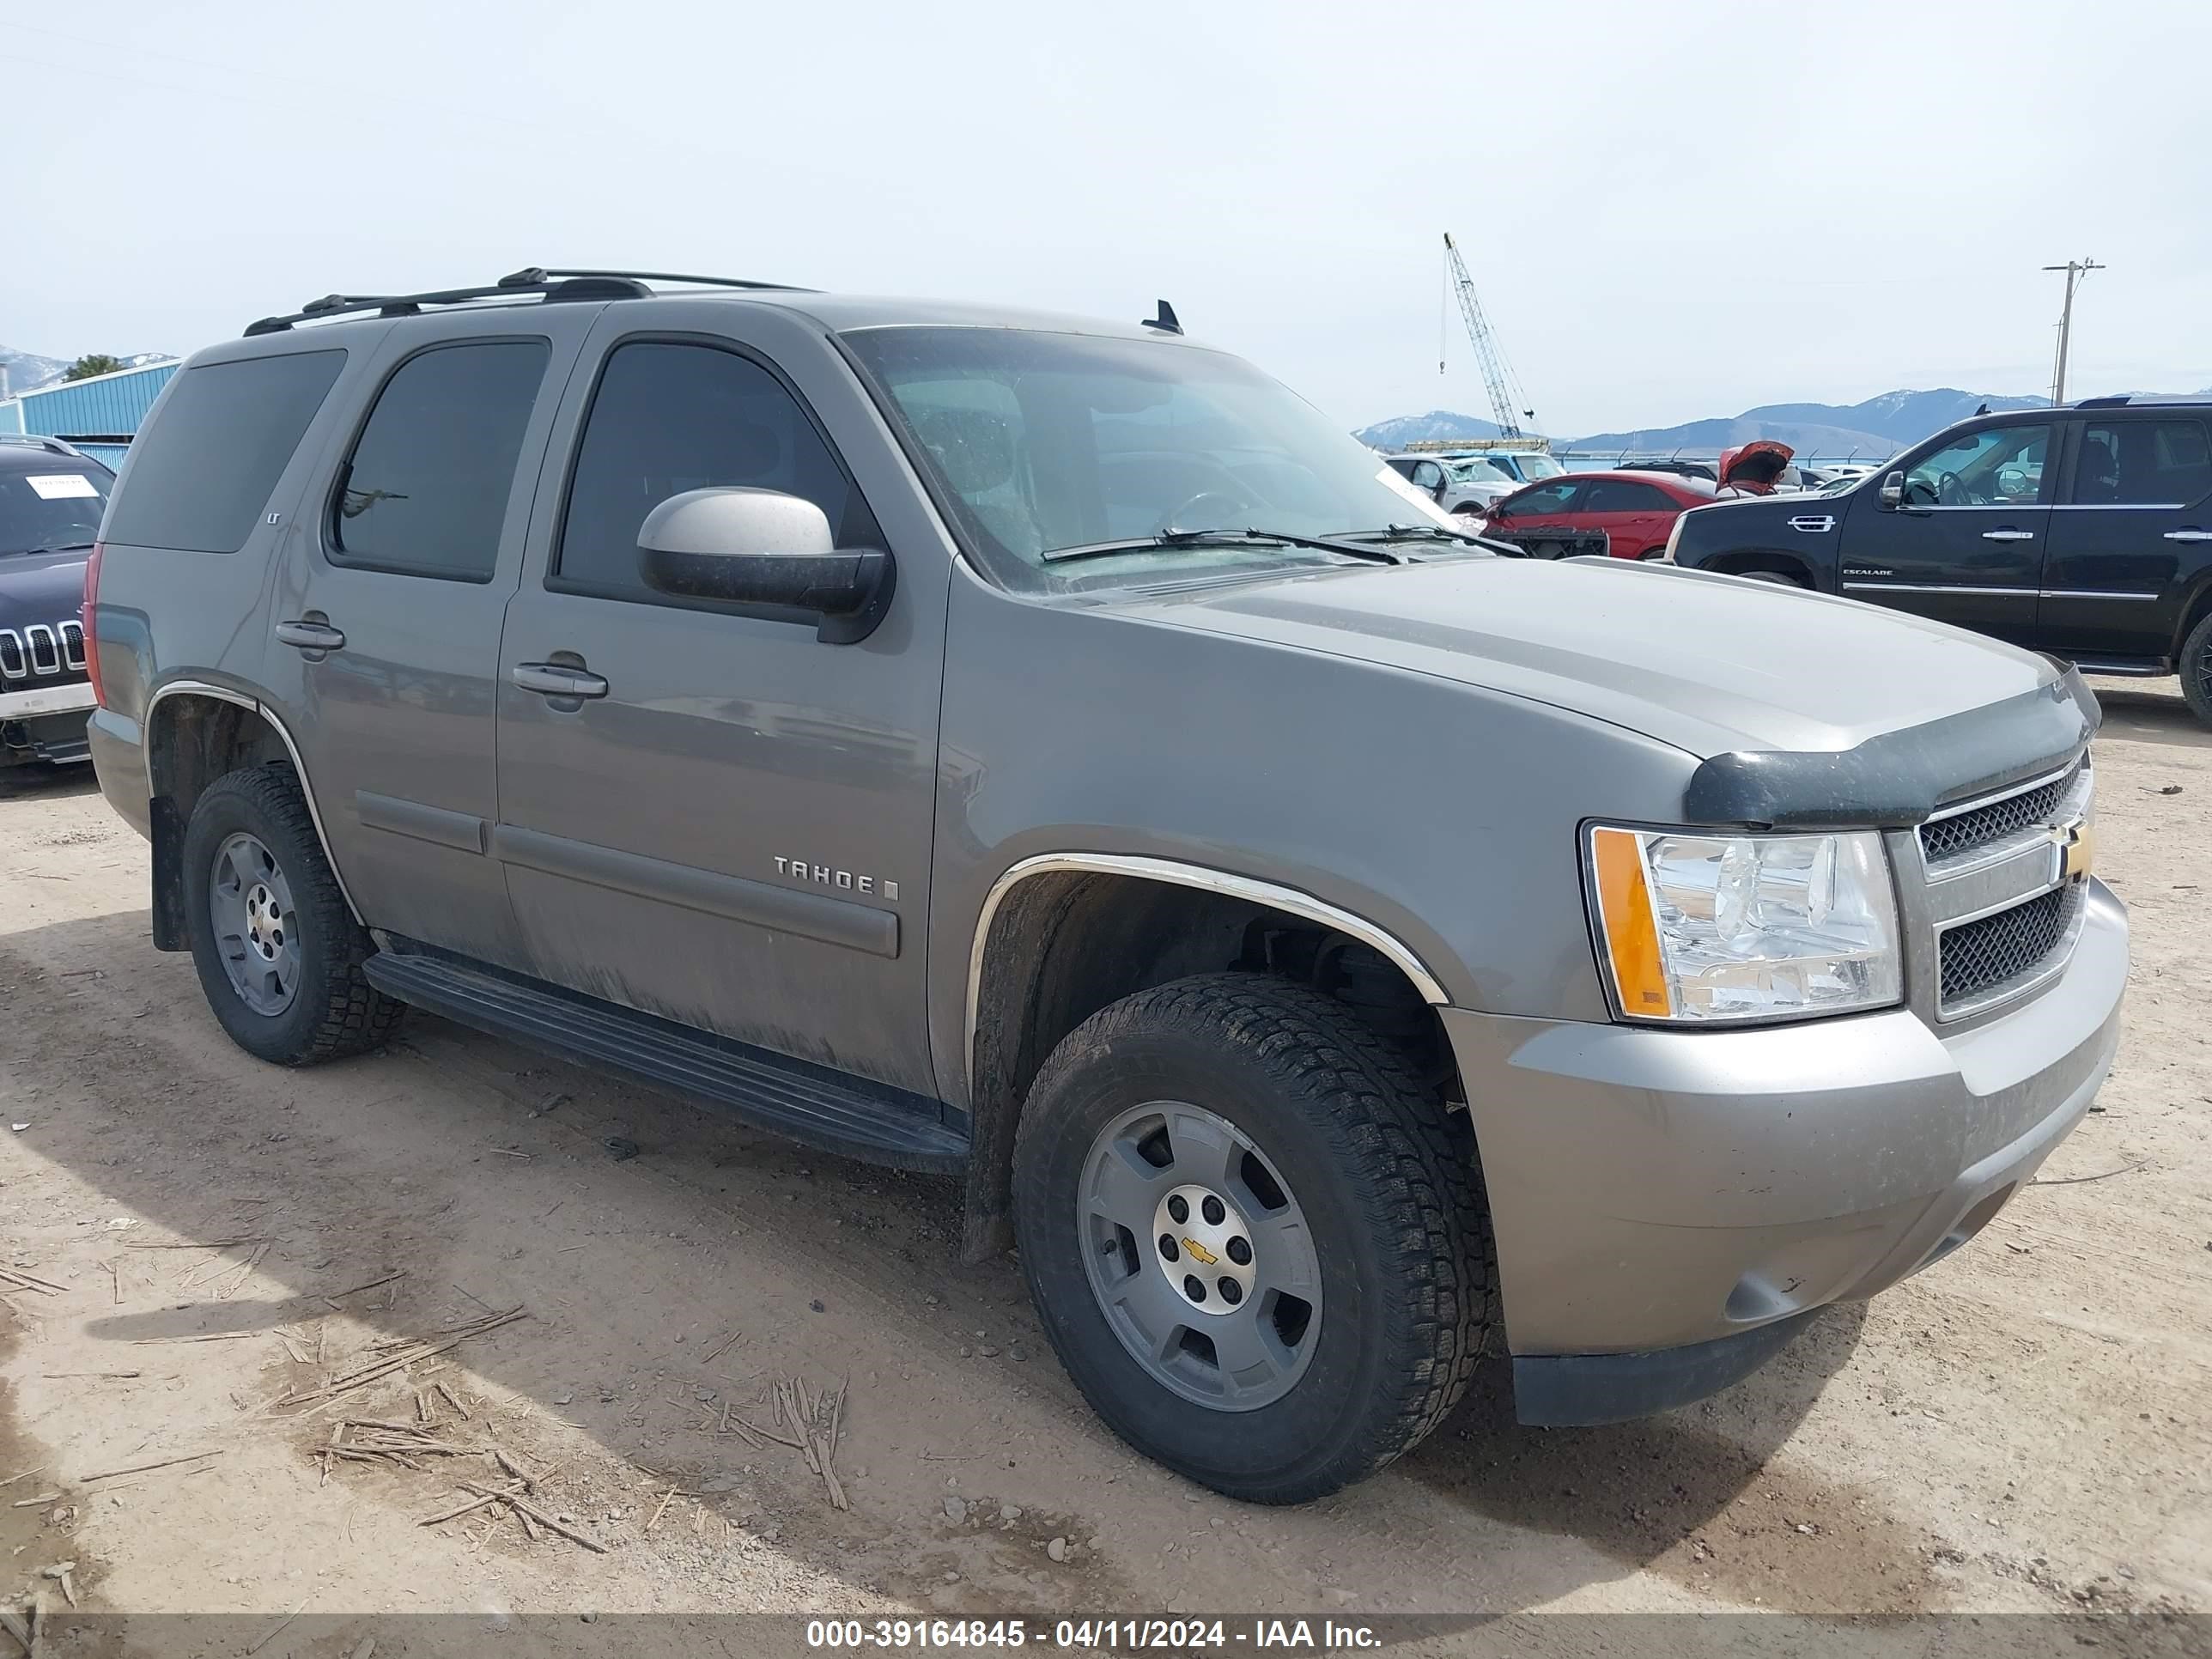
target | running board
[{"x": 793, "y": 1098}]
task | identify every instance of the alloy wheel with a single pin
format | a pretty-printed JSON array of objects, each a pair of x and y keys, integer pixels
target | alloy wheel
[
  {"x": 256, "y": 929},
  {"x": 1199, "y": 1256}
]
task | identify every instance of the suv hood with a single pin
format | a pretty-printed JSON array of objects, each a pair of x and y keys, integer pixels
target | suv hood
[
  {"x": 1706, "y": 663},
  {"x": 40, "y": 588}
]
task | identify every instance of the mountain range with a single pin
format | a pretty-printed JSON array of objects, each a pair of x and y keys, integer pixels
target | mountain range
[
  {"x": 27, "y": 371},
  {"x": 1873, "y": 429}
]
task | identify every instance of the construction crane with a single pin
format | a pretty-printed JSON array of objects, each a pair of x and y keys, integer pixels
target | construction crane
[{"x": 1508, "y": 403}]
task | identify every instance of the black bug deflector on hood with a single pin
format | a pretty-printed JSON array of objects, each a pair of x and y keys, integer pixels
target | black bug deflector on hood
[{"x": 1897, "y": 779}]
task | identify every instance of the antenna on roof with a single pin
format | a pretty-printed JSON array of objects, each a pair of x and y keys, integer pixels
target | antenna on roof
[{"x": 1165, "y": 322}]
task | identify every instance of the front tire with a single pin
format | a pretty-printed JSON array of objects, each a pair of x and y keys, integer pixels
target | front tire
[
  {"x": 1315, "y": 1305},
  {"x": 1779, "y": 578},
  {"x": 2196, "y": 670},
  {"x": 278, "y": 952}
]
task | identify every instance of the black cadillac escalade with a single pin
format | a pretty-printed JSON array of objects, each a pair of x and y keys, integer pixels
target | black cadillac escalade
[{"x": 2083, "y": 531}]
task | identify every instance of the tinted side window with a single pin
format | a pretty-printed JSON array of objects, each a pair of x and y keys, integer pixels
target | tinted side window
[
  {"x": 667, "y": 418},
  {"x": 1551, "y": 498},
  {"x": 201, "y": 475},
  {"x": 2143, "y": 464},
  {"x": 425, "y": 491},
  {"x": 1997, "y": 466},
  {"x": 1626, "y": 496}
]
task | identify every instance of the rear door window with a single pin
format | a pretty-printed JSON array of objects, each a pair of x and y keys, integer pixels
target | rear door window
[
  {"x": 1565, "y": 497},
  {"x": 425, "y": 491},
  {"x": 201, "y": 474},
  {"x": 2143, "y": 464},
  {"x": 1626, "y": 496},
  {"x": 54, "y": 503}
]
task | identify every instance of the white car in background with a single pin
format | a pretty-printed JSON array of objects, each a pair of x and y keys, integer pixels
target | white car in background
[{"x": 1457, "y": 483}]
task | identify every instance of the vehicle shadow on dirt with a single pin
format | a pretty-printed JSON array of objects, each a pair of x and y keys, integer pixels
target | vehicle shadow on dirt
[
  {"x": 176, "y": 1129},
  {"x": 46, "y": 782},
  {"x": 1699, "y": 1495},
  {"x": 2151, "y": 712}
]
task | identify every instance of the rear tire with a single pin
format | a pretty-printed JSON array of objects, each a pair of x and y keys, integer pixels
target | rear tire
[
  {"x": 278, "y": 952},
  {"x": 2196, "y": 670},
  {"x": 1342, "y": 1200}
]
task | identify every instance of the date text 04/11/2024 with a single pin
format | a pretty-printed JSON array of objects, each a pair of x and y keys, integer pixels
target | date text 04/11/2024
[{"x": 1298, "y": 1636}]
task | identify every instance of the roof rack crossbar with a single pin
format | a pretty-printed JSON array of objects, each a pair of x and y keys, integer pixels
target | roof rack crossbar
[
  {"x": 53, "y": 446},
  {"x": 530, "y": 275},
  {"x": 552, "y": 287}
]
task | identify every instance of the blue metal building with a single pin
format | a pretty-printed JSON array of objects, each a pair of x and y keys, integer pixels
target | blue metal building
[{"x": 99, "y": 416}]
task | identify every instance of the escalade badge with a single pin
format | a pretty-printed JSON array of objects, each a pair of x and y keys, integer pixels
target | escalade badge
[{"x": 1206, "y": 1257}]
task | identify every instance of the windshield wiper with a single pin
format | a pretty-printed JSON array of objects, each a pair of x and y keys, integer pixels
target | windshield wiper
[
  {"x": 45, "y": 547},
  {"x": 1220, "y": 539},
  {"x": 1412, "y": 533}
]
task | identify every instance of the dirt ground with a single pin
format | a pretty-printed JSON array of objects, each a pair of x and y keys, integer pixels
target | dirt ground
[{"x": 2023, "y": 1428}]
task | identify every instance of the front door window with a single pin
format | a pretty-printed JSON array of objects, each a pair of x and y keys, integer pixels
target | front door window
[{"x": 1998, "y": 466}]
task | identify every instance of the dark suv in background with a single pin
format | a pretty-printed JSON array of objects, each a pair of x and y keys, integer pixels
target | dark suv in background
[
  {"x": 51, "y": 500},
  {"x": 2084, "y": 532}
]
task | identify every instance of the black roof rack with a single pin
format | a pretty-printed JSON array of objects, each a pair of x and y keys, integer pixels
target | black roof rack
[
  {"x": 551, "y": 286},
  {"x": 52, "y": 445},
  {"x": 530, "y": 275},
  {"x": 2120, "y": 402}
]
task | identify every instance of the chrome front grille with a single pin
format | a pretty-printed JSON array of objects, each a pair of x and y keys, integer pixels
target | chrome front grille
[
  {"x": 2005, "y": 885},
  {"x": 1968, "y": 829},
  {"x": 42, "y": 652},
  {"x": 1981, "y": 961}
]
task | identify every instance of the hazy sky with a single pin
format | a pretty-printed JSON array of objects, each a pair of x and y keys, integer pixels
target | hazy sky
[{"x": 1668, "y": 216}]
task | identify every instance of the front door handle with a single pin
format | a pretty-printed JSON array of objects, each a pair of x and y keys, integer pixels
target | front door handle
[
  {"x": 310, "y": 635},
  {"x": 558, "y": 680},
  {"x": 2189, "y": 535},
  {"x": 2008, "y": 535}
]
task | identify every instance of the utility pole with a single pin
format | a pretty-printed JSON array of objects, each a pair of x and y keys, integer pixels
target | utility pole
[{"x": 2076, "y": 271}]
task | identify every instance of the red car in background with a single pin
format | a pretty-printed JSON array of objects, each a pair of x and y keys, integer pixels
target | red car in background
[{"x": 1558, "y": 517}]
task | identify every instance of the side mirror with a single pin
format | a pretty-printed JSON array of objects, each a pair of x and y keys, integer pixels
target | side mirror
[
  {"x": 763, "y": 549},
  {"x": 1442, "y": 490},
  {"x": 1893, "y": 490}
]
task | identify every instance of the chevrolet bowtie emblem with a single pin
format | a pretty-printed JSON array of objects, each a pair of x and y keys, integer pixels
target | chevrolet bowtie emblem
[
  {"x": 2078, "y": 851},
  {"x": 1206, "y": 1257}
]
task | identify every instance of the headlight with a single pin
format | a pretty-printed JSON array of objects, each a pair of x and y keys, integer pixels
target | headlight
[{"x": 1744, "y": 927}]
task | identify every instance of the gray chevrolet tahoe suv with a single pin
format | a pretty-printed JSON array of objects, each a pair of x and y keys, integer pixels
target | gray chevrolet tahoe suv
[{"x": 1052, "y": 754}]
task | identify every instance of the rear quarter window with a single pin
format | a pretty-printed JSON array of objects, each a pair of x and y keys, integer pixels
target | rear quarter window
[{"x": 202, "y": 473}]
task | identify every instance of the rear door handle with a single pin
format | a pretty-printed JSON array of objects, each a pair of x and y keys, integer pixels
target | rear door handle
[
  {"x": 310, "y": 635},
  {"x": 2008, "y": 535},
  {"x": 2189, "y": 535},
  {"x": 557, "y": 680}
]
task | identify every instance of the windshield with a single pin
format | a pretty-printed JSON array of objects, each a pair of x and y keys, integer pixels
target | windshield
[
  {"x": 1477, "y": 472},
  {"x": 51, "y": 504},
  {"x": 1042, "y": 442},
  {"x": 1534, "y": 465}
]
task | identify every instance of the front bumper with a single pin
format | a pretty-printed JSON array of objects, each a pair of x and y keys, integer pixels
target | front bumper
[
  {"x": 44, "y": 723},
  {"x": 1651, "y": 1190}
]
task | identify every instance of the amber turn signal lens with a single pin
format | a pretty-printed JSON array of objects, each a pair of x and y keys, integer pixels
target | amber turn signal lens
[{"x": 1631, "y": 932}]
